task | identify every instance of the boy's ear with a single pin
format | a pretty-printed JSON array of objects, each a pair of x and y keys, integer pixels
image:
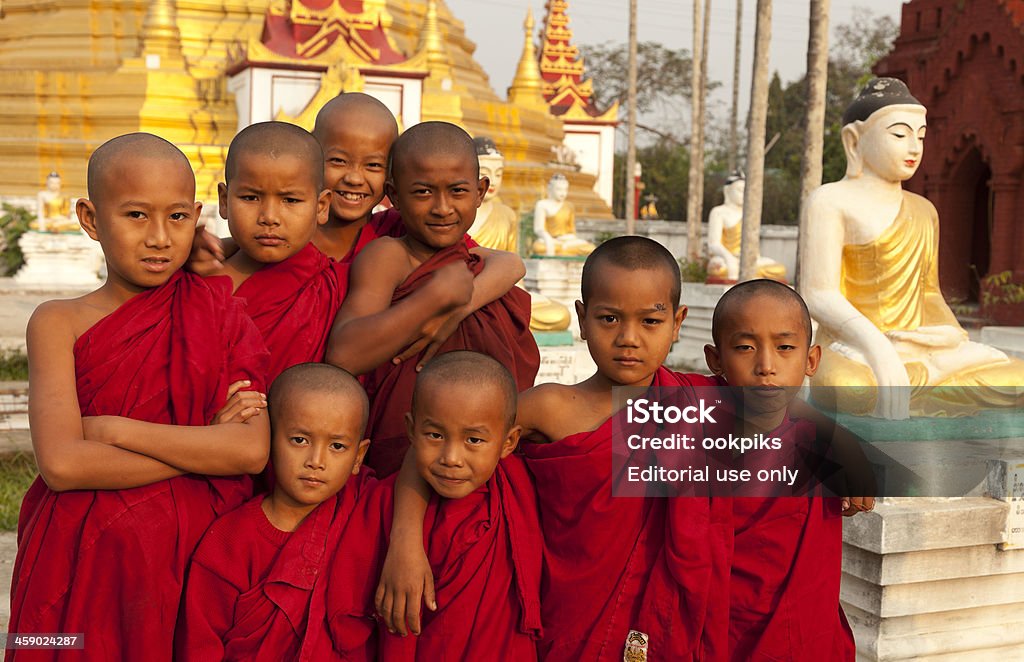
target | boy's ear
[
  {"x": 581, "y": 312},
  {"x": 511, "y": 441},
  {"x": 410, "y": 428},
  {"x": 323, "y": 206},
  {"x": 481, "y": 189},
  {"x": 222, "y": 200},
  {"x": 677, "y": 321},
  {"x": 813, "y": 360},
  {"x": 199, "y": 210},
  {"x": 364, "y": 446},
  {"x": 86, "y": 212},
  {"x": 389, "y": 190},
  {"x": 713, "y": 359}
]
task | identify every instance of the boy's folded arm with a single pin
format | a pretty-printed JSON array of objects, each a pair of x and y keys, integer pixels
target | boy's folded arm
[
  {"x": 368, "y": 330},
  {"x": 406, "y": 579},
  {"x": 208, "y": 611},
  {"x": 66, "y": 459},
  {"x": 227, "y": 449},
  {"x": 502, "y": 270}
]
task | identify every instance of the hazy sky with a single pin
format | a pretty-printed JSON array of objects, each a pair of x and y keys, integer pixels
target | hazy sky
[{"x": 496, "y": 28}]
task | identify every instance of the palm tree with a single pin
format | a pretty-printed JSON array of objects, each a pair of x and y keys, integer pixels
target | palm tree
[
  {"x": 814, "y": 132},
  {"x": 631, "y": 125},
  {"x": 754, "y": 194},
  {"x": 733, "y": 133}
]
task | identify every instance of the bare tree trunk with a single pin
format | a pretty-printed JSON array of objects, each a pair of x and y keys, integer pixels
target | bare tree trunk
[
  {"x": 694, "y": 198},
  {"x": 631, "y": 126},
  {"x": 814, "y": 130},
  {"x": 733, "y": 129},
  {"x": 754, "y": 195}
]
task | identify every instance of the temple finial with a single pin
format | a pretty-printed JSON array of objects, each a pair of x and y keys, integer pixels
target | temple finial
[
  {"x": 526, "y": 86},
  {"x": 160, "y": 34},
  {"x": 432, "y": 41}
]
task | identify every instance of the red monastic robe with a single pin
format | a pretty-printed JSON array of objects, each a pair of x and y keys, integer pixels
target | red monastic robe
[
  {"x": 110, "y": 563},
  {"x": 255, "y": 592},
  {"x": 618, "y": 564},
  {"x": 501, "y": 329},
  {"x": 786, "y": 569},
  {"x": 485, "y": 554},
  {"x": 293, "y": 304}
]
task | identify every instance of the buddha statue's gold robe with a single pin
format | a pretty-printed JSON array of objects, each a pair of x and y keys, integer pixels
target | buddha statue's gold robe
[
  {"x": 732, "y": 241},
  {"x": 893, "y": 281},
  {"x": 558, "y": 225}
]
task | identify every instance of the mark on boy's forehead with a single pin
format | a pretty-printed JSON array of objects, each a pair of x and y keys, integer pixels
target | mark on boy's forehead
[{"x": 660, "y": 307}]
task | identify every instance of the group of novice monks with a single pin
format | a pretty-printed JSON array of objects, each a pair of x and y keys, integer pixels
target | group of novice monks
[{"x": 203, "y": 445}]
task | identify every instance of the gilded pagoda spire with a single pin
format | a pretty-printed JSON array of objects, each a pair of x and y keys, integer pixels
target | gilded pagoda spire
[
  {"x": 160, "y": 34},
  {"x": 432, "y": 41},
  {"x": 526, "y": 88},
  {"x": 566, "y": 91}
]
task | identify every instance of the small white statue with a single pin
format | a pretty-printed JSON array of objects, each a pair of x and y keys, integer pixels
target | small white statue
[
  {"x": 554, "y": 223},
  {"x": 725, "y": 230}
]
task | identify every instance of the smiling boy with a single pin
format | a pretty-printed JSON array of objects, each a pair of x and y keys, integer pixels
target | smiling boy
[
  {"x": 435, "y": 184},
  {"x": 481, "y": 532},
  {"x": 255, "y": 583}
]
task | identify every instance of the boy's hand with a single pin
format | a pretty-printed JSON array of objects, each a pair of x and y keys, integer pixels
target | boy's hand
[
  {"x": 207, "y": 256},
  {"x": 241, "y": 405},
  {"x": 434, "y": 334},
  {"x": 854, "y": 505},
  {"x": 405, "y": 581}
]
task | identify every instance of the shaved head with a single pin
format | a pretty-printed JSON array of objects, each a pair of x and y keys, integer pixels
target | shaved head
[
  {"x": 304, "y": 378},
  {"x": 275, "y": 139},
  {"x": 354, "y": 107},
  {"x": 632, "y": 253},
  {"x": 430, "y": 139},
  {"x": 473, "y": 368},
  {"x": 785, "y": 298},
  {"x": 129, "y": 147}
]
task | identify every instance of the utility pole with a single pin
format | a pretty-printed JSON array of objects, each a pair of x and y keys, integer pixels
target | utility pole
[
  {"x": 631, "y": 125},
  {"x": 754, "y": 195}
]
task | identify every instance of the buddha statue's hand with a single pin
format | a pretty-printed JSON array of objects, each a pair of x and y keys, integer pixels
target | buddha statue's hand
[
  {"x": 893, "y": 400},
  {"x": 938, "y": 336}
]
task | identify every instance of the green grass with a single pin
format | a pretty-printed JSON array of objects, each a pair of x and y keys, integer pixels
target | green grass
[
  {"x": 13, "y": 366},
  {"x": 17, "y": 471}
]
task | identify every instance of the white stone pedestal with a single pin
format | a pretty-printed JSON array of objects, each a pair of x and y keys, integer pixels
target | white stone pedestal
[
  {"x": 59, "y": 260},
  {"x": 563, "y": 358},
  {"x": 925, "y": 579},
  {"x": 557, "y": 278}
]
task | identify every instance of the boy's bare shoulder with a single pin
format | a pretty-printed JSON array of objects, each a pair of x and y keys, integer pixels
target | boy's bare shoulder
[
  {"x": 386, "y": 254},
  {"x": 555, "y": 411},
  {"x": 76, "y": 315}
]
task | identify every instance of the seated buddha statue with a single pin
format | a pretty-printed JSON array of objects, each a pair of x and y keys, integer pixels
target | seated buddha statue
[
  {"x": 870, "y": 279},
  {"x": 53, "y": 211},
  {"x": 725, "y": 228},
  {"x": 497, "y": 226},
  {"x": 554, "y": 223}
]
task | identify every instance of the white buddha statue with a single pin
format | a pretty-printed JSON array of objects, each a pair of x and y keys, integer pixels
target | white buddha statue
[
  {"x": 53, "y": 208},
  {"x": 869, "y": 269},
  {"x": 554, "y": 223},
  {"x": 725, "y": 230},
  {"x": 497, "y": 226}
]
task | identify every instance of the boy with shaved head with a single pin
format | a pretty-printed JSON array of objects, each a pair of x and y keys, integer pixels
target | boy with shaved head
[
  {"x": 787, "y": 551},
  {"x": 481, "y": 533},
  {"x": 255, "y": 585},
  {"x": 273, "y": 198},
  {"x": 138, "y": 445},
  {"x": 435, "y": 184}
]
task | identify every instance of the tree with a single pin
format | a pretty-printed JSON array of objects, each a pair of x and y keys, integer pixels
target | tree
[{"x": 754, "y": 192}]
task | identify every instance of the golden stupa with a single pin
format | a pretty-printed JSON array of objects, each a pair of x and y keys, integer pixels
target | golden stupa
[{"x": 77, "y": 74}]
